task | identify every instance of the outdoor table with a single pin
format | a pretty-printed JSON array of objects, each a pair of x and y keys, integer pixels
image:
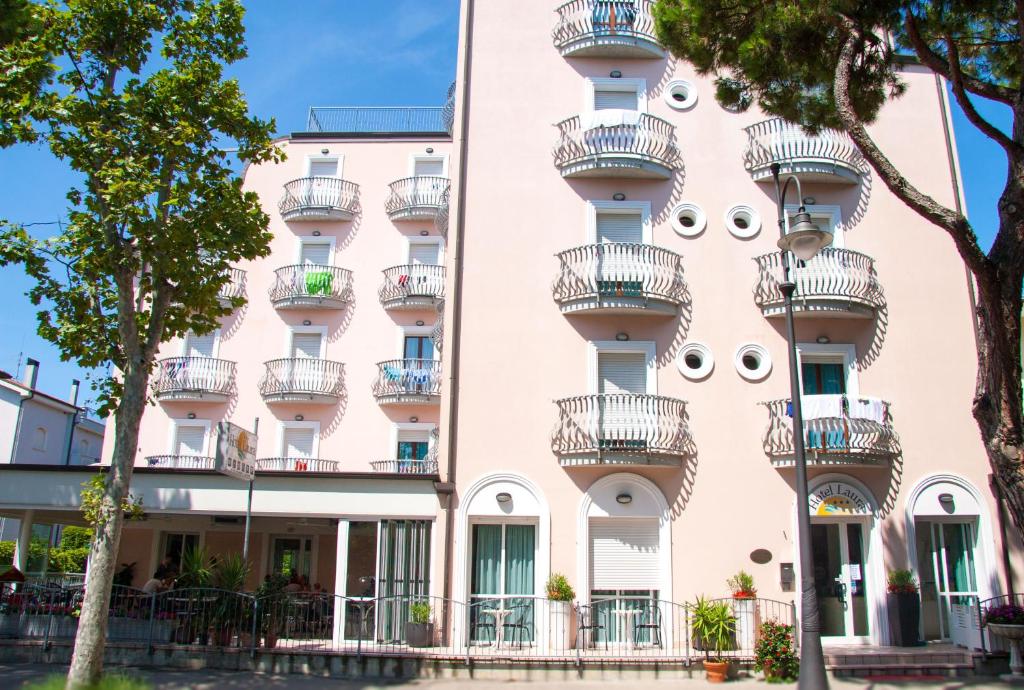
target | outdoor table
[
  {"x": 499, "y": 623},
  {"x": 625, "y": 623}
]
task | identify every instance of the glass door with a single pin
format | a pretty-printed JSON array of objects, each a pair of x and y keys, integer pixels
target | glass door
[
  {"x": 502, "y": 568},
  {"x": 293, "y": 558},
  {"x": 948, "y": 573},
  {"x": 361, "y": 580},
  {"x": 839, "y": 578}
]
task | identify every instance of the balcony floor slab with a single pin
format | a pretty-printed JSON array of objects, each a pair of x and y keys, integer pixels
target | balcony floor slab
[
  {"x": 192, "y": 396},
  {"x": 618, "y": 166},
  {"x": 299, "y": 397},
  {"x": 316, "y": 213},
  {"x": 309, "y": 302},
  {"x": 596, "y": 459},
  {"x": 810, "y": 170},
  {"x": 824, "y": 308},
  {"x": 409, "y": 399},
  {"x": 612, "y": 46},
  {"x": 414, "y": 213},
  {"x": 637, "y": 306}
]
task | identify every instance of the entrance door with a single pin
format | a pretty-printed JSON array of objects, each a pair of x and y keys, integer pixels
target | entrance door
[
  {"x": 945, "y": 556},
  {"x": 293, "y": 556},
  {"x": 839, "y": 579},
  {"x": 502, "y": 579}
]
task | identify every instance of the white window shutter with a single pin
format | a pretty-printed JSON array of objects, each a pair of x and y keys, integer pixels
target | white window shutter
[
  {"x": 306, "y": 345},
  {"x": 323, "y": 168},
  {"x": 624, "y": 554},
  {"x": 201, "y": 345},
  {"x": 413, "y": 435},
  {"x": 298, "y": 443},
  {"x": 318, "y": 253},
  {"x": 431, "y": 167},
  {"x": 620, "y": 227},
  {"x": 621, "y": 100},
  {"x": 622, "y": 372},
  {"x": 189, "y": 439},
  {"x": 427, "y": 254}
]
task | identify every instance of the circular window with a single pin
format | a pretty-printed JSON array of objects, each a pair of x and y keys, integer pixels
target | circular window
[
  {"x": 743, "y": 221},
  {"x": 681, "y": 94},
  {"x": 695, "y": 361},
  {"x": 753, "y": 362},
  {"x": 688, "y": 219}
]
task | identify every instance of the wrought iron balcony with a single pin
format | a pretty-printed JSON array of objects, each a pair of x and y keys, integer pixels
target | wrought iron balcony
[
  {"x": 302, "y": 379},
  {"x": 319, "y": 198},
  {"x": 613, "y": 278},
  {"x": 621, "y": 429},
  {"x": 194, "y": 378},
  {"x": 235, "y": 287},
  {"x": 181, "y": 462},
  {"x": 416, "y": 198},
  {"x": 437, "y": 333},
  {"x": 413, "y": 286},
  {"x": 829, "y": 156},
  {"x": 606, "y": 28},
  {"x": 424, "y": 466},
  {"x": 838, "y": 430},
  {"x": 836, "y": 282},
  {"x": 311, "y": 286},
  {"x": 408, "y": 381},
  {"x": 616, "y": 143},
  {"x": 296, "y": 465},
  {"x": 443, "y": 212}
]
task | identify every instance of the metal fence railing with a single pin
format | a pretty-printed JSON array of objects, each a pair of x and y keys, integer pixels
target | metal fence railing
[
  {"x": 858, "y": 430},
  {"x": 378, "y": 120},
  {"x": 617, "y": 271},
  {"x": 632, "y": 628},
  {"x": 833, "y": 276}
]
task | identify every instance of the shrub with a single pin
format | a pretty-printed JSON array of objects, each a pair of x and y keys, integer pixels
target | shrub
[
  {"x": 559, "y": 589},
  {"x": 774, "y": 653},
  {"x": 72, "y": 537},
  {"x": 71, "y": 560},
  {"x": 419, "y": 612},
  {"x": 901, "y": 582},
  {"x": 742, "y": 585},
  {"x": 6, "y": 552},
  {"x": 713, "y": 625}
]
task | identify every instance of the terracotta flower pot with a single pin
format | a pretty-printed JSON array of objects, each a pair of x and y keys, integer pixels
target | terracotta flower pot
[{"x": 716, "y": 671}]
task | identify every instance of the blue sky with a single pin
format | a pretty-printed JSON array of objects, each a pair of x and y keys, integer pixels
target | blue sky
[{"x": 388, "y": 53}]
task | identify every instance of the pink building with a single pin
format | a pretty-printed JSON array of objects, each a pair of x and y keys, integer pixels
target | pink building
[{"x": 610, "y": 400}]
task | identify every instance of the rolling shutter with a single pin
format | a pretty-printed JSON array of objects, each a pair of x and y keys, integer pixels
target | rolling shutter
[
  {"x": 318, "y": 253},
  {"x": 622, "y": 100},
  {"x": 619, "y": 227},
  {"x": 200, "y": 345},
  {"x": 306, "y": 345},
  {"x": 189, "y": 440},
  {"x": 433, "y": 168},
  {"x": 424, "y": 254},
  {"x": 298, "y": 443},
  {"x": 624, "y": 554},
  {"x": 323, "y": 168},
  {"x": 622, "y": 372}
]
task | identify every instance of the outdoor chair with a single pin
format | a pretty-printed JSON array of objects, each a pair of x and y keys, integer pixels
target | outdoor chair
[
  {"x": 588, "y": 619},
  {"x": 519, "y": 623},
  {"x": 649, "y": 620}
]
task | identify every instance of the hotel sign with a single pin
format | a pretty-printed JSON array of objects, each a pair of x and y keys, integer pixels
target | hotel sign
[
  {"x": 838, "y": 499},
  {"x": 236, "y": 452}
]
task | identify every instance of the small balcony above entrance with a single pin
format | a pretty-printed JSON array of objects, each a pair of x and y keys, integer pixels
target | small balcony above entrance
[
  {"x": 302, "y": 379},
  {"x": 311, "y": 286},
  {"x": 622, "y": 429},
  {"x": 416, "y": 198},
  {"x": 606, "y": 29},
  {"x": 836, "y": 283},
  {"x": 296, "y": 465},
  {"x": 829, "y": 156},
  {"x": 619, "y": 278},
  {"x": 319, "y": 198},
  {"x": 412, "y": 286},
  {"x": 408, "y": 382},
  {"x": 181, "y": 462},
  {"x": 616, "y": 143},
  {"x": 235, "y": 287},
  {"x": 838, "y": 430},
  {"x": 426, "y": 466},
  {"x": 197, "y": 379}
]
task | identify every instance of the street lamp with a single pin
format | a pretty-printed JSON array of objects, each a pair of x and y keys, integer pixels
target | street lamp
[{"x": 805, "y": 240}]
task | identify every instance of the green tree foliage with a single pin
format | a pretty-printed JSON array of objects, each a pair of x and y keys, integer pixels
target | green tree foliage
[
  {"x": 835, "y": 63},
  {"x": 131, "y": 94},
  {"x": 74, "y": 537}
]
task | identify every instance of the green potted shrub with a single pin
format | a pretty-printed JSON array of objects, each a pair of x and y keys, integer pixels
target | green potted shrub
[
  {"x": 270, "y": 600},
  {"x": 419, "y": 629},
  {"x": 744, "y": 606},
  {"x": 904, "y": 609},
  {"x": 560, "y": 598},
  {"x": 774, "y": 653},
  {"x": 230, "y": 610},
  {"x": 713, "y": 628}
]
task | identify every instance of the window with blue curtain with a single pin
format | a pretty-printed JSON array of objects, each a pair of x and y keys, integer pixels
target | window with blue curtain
[
  {"x": 412, "y": 450},
  {"x": 823, "y": 378},
  {"x": 503, "y": 565}
]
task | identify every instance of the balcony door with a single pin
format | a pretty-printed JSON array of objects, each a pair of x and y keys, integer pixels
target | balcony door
[
  {"x": 619, "y": 373},
  {"x": 303, "y": 372},
  {"x": 609, "y": 98},
  {"x": 427, "y": 188},
  {"x": 321, "y": 189},
  {"x": 947, "y": 562},
  {"x": 189, "y": 440},
  {"x": 195, "y": 373},
  {"x": 625, "y": 573},
  {"x": 502, "y": 578},
  {"x": 298, "y": 444},
  {"x": 619, "y": 272},
  {"x": 840, "y": 571},
  {"x": 292, "y": 557}
]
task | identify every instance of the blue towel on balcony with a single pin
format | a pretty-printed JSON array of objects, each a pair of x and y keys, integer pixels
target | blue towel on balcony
[{"x": 392, "y": 373}]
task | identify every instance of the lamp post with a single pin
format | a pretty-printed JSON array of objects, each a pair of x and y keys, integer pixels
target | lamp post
[{"x": 804, "y": 240}]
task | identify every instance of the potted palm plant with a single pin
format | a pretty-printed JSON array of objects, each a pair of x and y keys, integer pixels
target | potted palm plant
[
  {"x": 713, "y": 628},
  {"x": 229, "y": 611},
  {"x": 904, "y": 609},
  {"x": 560, "y": 597},
  {"x": 419, "y": 629}
]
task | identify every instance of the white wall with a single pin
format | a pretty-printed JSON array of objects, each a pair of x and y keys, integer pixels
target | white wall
[
  {"x": 37, "y": 414},
  {"x": 8, "y": 421}
]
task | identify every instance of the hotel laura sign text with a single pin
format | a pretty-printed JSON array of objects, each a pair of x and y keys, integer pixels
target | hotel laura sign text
[
  {"x": 236, "y": 451},
  {"x": 837, "y": 499}
]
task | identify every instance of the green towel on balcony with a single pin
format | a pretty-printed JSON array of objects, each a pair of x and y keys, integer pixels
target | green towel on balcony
[{"x": 319, "y": 282}]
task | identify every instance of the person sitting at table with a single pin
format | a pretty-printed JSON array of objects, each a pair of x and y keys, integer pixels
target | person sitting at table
[
  {"x": 293, "y": 585},
  {"x": 160, "y": 582}
]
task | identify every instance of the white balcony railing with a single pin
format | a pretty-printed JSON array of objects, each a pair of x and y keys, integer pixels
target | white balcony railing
[
  {"x": 408, "y": 381},
  {"x": 302, "y": 379},
  {"x": 311, "y": 286},
  {"x": 180, "y": 462},
  {"x": 616, "y": 143},
  {"x": 409, "y": 466},
  {"x": 319, "y": 198},
  {"x": 235, "y": 287},
  {"x": 621, "y": 428},
  {"x": 834, "y": 280},
  {"x": 194, "y": 378},
  {"x": 416, "y": 198},
  {"x": 296, "y": 465},
  {"x": 838, "y": 429},
  {"x": 828, "y": 156},
  {"x": 413, "y": 286},
  {"x": 606, "y": 28},
  {"x": 618, "y": 276}
]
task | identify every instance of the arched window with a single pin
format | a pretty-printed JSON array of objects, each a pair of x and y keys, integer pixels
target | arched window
[{"x": 39, "y": 439}]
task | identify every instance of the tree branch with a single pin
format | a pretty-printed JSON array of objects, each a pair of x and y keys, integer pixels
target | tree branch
[
  {"x": 938, "y": 63},
  {"x": 955, "y": 224},
  {"x": 1011, "y": 147}
]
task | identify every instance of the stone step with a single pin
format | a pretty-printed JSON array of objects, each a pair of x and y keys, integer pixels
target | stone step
[
  {"x": 917, "y": 658},
  {"x": 918, "y": 671}
]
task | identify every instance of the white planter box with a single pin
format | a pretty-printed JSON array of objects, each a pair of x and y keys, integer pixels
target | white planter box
[
  {"x": 561, "y": 627},
  {"x": 745, "y": 611}
]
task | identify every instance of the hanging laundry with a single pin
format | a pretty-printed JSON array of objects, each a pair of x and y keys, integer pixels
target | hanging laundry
[{"x": 319, "y": 282}]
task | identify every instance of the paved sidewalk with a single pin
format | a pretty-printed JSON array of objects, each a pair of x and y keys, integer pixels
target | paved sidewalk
[{"x": 16, "y": 676}]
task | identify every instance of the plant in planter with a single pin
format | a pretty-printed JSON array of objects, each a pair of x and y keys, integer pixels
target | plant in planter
[
  {"x": 560, "y": 598},
  {"x": 745, "y": 609},
  {"x": 742, "y": 585},
  {"x": 419, "y": 629},
  {"x": 713, "y": 628},
  {"x": 270, "y": 600},
  {"x": 773, "y": 653},
  {"x": 904, "y": 608},
  {"x": 230, "y": 610},
  {"x": 1008, "y": 621}
]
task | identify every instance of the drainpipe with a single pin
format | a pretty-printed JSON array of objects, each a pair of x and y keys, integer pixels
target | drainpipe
[
  {"x": 72, "y": 420},
  {"x": 31, "y": 377},
  {"x": 454, "y": 339}
]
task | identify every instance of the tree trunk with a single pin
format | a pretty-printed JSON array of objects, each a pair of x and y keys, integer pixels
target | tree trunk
[{"x": 90, "y": 640}]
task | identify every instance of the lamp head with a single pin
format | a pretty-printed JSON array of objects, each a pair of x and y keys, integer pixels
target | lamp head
[{"x": 804, "y": 239}]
